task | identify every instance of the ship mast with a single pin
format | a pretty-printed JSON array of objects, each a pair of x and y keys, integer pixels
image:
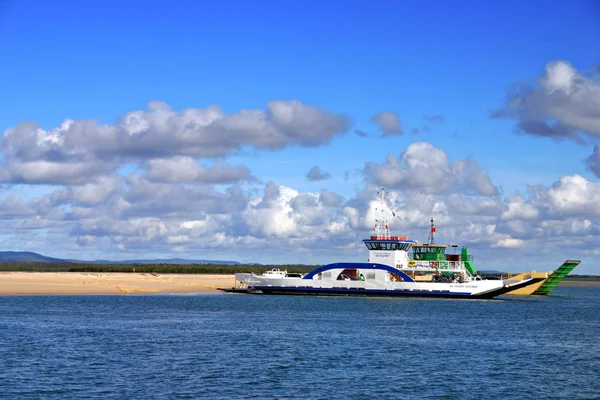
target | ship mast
[
  {"x": 430, "y": 240},
  {"x": 382, "y": 227}
]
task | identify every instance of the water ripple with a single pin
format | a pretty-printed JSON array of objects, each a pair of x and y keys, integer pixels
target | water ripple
[{"x": 255, "y": 347}]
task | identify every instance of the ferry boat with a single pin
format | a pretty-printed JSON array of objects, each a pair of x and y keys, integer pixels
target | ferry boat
[{"x": 397, "y": 266}]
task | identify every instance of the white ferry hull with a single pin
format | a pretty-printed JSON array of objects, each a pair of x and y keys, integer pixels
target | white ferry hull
[{"x": 320, "y": 283}]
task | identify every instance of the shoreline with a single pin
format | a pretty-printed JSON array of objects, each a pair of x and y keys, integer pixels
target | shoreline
[
  {"x": 31, "y": 283},
  {"x": 57, "y": 283},
  {"x": 579, "y": 282}
]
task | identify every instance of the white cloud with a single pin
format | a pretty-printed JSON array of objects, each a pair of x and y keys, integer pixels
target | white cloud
[
  {"x": 76, "y": 150},
  {"x": 458, "y": 204},
  {"x": 273, "y": 217},
  {"x": 563, "y": 105},
  {"x": 92, "y": 193},
  {"x": 53, "y": 172},
  {"x": 200, "y": 226},
  {"x": 426, "y": 168},
  {"x": 575, "y": 195},
  {"x": 509, "y": 243},
  {"x": 472, "y": 179},
  {"x": 316, "y": 174},
  {"x": 330, "y": 199},
  {"x": 352, "y": 215},
  {"x": 292, "y": 223},
  {"x": 566, "y": 227},
  {"x": 85, "y": 240},
  {"x": 187, "y": 169},
  {"x": 560, "y": 77},
  {"x": 388, "y": 122},
  {"x": 178, "y": 239},
  {"x": 172, "y": 198},
  {"x": 519, "y": 209}
]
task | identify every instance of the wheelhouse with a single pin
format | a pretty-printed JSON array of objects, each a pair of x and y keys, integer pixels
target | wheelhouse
[
  {"x": 429, "y": 252},
  {"x": 388, "y": 245}
]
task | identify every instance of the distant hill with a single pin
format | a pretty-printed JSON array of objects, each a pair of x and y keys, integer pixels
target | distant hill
[
  {"x": 28, "y": 256},
  {"x": 491, "y": 272},
  {"x": 160, "y": 261}
]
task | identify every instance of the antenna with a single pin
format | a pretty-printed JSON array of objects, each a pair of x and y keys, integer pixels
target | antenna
[
  {"x": 430, "y": 240},
  {"x": 382, "y": 228}
]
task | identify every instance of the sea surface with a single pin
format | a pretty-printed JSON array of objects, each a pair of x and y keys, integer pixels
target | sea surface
[{"x": 232, "y": 346}]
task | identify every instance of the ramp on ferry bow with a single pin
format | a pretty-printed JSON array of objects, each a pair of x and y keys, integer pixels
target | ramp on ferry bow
[{"x": 556, "y": 277}]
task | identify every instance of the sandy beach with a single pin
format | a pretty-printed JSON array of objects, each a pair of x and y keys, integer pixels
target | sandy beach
[{"x": 15, "y": 283}]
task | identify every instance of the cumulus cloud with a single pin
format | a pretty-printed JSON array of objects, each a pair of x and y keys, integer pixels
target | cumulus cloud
[
  {"x": 575, "y": 195},
  {"x": 52, "y": 172},
  {"x": 284, "y": 213},
  {"x": 316, "y": 174},
  {"x": 509, "y": 243},
  {"x": 388, "y": 122},
  {"x": 564, "y": 104},
  {"x": 76, "y": 150},
  {"x": 471, "y": 179},
  {"x": 135, "y": 214},
  {"x": 89, "y": 194},
  {"x": 458, "y": 205},
  {"x": 85, "y": 240},
  {"x": 330, "y": 199},
  {"x": 187, "y": 169},
  {"x": 271, "y": 215},
  {"x": 144, "y": 182},
  {"x": 158, "y": 181},
  {"x": 14, "y": 207},
  {"x": 147, "y": 198},
  {"x": 567, "y": 227},
  {"x": 518, "y": 208},
  {"x": 426, "y": 168}
]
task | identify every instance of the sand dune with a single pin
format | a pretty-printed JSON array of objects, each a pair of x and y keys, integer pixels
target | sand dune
[{"x": 13, "y": 283}]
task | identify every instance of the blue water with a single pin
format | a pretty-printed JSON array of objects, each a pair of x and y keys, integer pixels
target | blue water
[{"x": 245, "y": 346}]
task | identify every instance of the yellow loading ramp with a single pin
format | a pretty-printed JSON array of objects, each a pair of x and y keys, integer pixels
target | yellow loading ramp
[{"x": 551, "y": 279}]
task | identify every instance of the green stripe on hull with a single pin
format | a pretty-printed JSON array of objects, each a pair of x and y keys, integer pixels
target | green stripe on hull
[{"x": 556, "y": 277}]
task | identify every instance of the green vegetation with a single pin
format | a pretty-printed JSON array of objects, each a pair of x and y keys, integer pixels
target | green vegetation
[
  {"x": 149, "y": 268},
  {"x": 186, "y": 268}
]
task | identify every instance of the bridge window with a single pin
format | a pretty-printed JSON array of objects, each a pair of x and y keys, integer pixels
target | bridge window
[{"x": 391, "y": 246}]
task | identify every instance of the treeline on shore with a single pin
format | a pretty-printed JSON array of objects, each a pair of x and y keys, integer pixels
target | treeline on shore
[
  {"x": 149, "y": 268},
  {"x": 179, "y": 268}
]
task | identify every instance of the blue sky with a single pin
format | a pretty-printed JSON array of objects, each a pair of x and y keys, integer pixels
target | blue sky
[{"x": 453, "y": 61}]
